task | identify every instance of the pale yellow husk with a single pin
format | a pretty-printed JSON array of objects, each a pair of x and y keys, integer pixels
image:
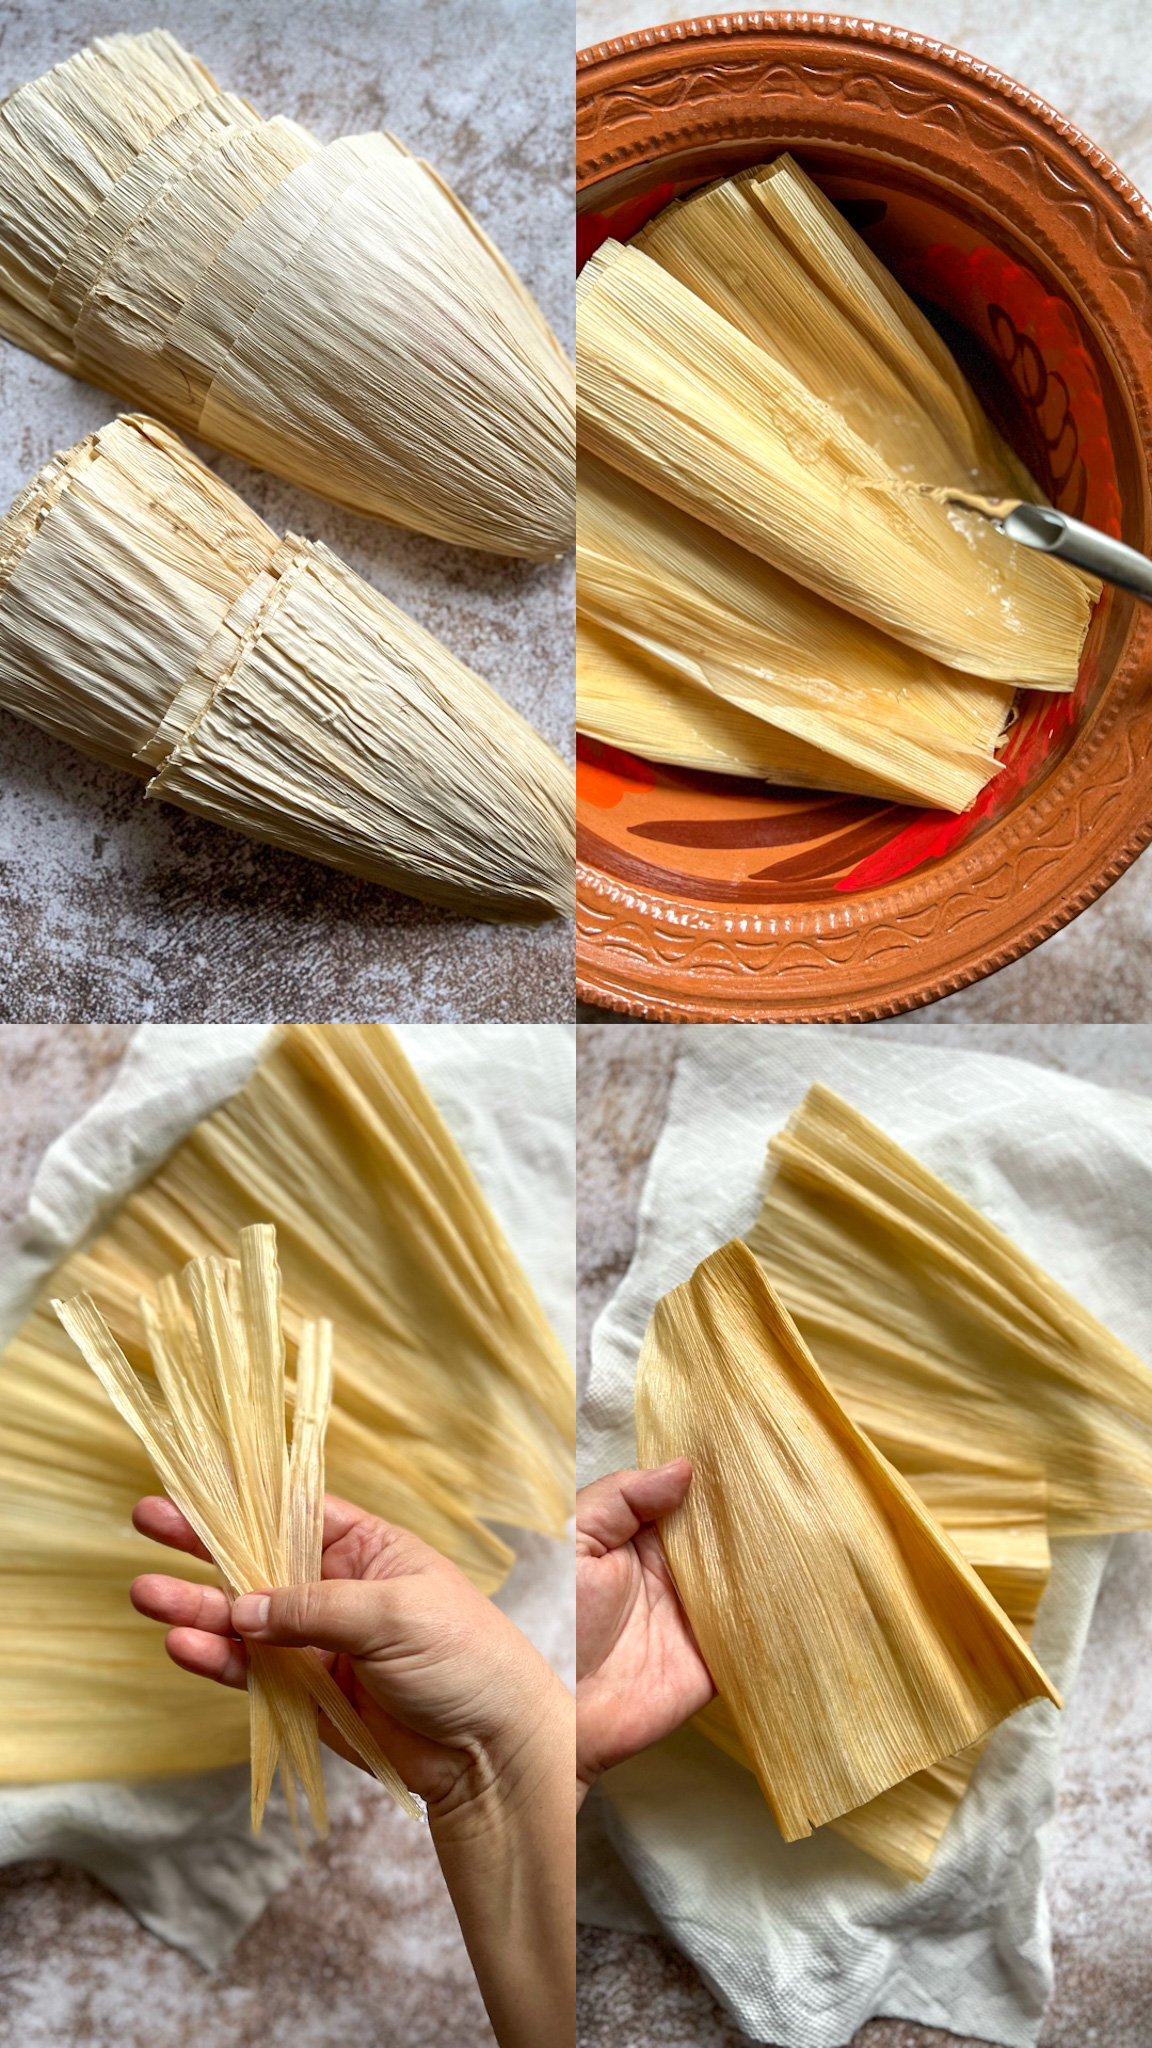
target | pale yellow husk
[
  {"x": 803, "y": 692},
  {"x": 802, "y": 415},
  {"x": 849, "y": 1639},
  {"x": 453, "y": 1407},
  {"x": 147, "y": 616},
  {"x": 334, "y": 314},
  {"x": 999, "y": 1526},
  {"x": 953, "y": 1349},
  {"x": 212, "y": 1417}
]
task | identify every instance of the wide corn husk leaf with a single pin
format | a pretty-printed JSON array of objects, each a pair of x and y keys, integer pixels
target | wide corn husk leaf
[
  {"x": 334, "y": 314},
  {"x": 149, "y": 617},
  {"x": 452, "y": 1408},
  {"x": 880, "y": 719},
  {"x": 998, "y": 1525},
  {"x": 954, "y": 1350},
  {"x": 680, "y": 399},
  {"x": 211, "y": 1416},
  {"x": 847, "y": 1636}
]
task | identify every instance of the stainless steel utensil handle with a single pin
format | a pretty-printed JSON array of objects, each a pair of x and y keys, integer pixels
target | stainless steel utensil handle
[{"x": 1054, "y": 533}]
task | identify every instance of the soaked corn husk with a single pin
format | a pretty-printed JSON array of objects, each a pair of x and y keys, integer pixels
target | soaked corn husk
[
  {"x": 847, "y": 1636},
  {"x": 212, "y": 1417},
  {"x": 148, "y": 617},
  {"x": 999, "y": 1526},
  {"x": 453, "y": 1406},
  {"x": 953, "y": 1349},
  {"x": 764, "y": 382},
  {"x": 334, "y": 314},
  {"x": 842, "y": 706}
]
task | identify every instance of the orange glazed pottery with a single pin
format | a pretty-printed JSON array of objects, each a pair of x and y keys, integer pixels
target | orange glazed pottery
[{"x": 708, "y": 897}]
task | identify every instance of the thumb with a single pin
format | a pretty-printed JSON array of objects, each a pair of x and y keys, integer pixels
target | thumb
[{"x": 345, "y": 1615}]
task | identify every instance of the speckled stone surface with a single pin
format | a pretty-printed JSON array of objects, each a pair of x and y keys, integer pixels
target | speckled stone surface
[
  {"x": 362, "y": 1948},
  {"x": 1090, "y": 59},
  {"x": 114, "y": 908},
  {"x": 637, "y": 1991}
]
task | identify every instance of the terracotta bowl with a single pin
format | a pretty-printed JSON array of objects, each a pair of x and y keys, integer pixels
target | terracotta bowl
[{"x": 706, "y": 897}]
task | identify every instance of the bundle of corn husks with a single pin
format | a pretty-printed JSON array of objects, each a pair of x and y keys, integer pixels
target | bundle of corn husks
[
  {"x": 771, "y": 433},
  {"x": 212, "y": 1418},
  {"x": 979, "y": 1385},
  {"x": 331, "y": 313},
  {"x": 452, "y": 1410},
  {"x": 153, "y": 620}
]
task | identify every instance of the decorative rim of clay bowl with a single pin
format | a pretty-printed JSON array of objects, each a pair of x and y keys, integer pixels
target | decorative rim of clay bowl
[{"x": 705, "y": 899}]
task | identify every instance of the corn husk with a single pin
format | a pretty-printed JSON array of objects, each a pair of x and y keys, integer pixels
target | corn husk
[
  {"x": 710, "y": 625},
  {"x": 334, "y": 314},
  {"x": 147, "y": 616},
  {"x": 849, "y": 1639},
  {"x": 999, "y": 1526},
  {"x": 211, "y": 1415},
  {"x": 756, "y": 399},
  {"x": 452, "y": 1409},
  {"x": 954, "y": 1350}
]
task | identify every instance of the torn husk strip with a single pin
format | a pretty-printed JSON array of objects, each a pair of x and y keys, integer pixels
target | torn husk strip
[
  {"x": 749, "y": 435},
  {"x": 847, "y": 1636},
  {"x": 947, "y": 1343},
  {"x": 213, "y": 1423},
  {"x": 452, "y": 1409},
  {"x": 998, "y": 1525},
  {"x": 845, "y": 707},
  {"x": 334, "y": 314},
  {"x": 147, "y": 616}
]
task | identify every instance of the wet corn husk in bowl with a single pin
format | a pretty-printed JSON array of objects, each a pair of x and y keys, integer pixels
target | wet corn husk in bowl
[{"x": 332, "y": 313}]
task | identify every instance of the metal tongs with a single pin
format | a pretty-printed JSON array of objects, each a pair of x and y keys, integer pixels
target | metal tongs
[{"x": 1055, "y": 533}]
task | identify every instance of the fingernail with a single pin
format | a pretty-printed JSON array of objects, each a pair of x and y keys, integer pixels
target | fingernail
[{"x": 251, "y": 1612}]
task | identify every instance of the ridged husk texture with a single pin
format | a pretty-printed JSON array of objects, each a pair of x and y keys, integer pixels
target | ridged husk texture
[
  {"x": 333, "y": 314},
  {"x": 150, "y": 618},
  {"x": 453, "y": 1405}
]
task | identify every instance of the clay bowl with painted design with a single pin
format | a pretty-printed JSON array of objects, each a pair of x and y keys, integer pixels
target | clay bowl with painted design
[{"x": 706, "y": 897}]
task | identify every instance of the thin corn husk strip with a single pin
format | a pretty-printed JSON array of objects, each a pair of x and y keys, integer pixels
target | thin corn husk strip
[
  {"x": 453, "y": 1403},
  {"x": 849, "y": 1639},
  {"x": 66, "y": 139},
  {"x": 334, "y": 314},
  {"x": 149, "y": 617},
  {"x": 865, "y": 291},
  {"x": 678, "y": 398},
  {"x": 953, "y": 1349},
  {"x": 210, "y": 1428},
  {"x": 999, "y": 1527},
  {"x": 889, "y": 721},
  {"x": 632, "y": 697},
  {"x": 117, "y": 565}
]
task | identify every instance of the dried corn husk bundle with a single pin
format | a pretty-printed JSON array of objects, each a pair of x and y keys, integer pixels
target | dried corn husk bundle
[
  {"x": 334, "y": 314},
  {"x": 999, "y": 1526},
  {"x": 953, "y": 1349},
  {"x": 147, "y": 616},
  {"x": 847, "y": 1636},
  {"x": 843, "y": 706},
  {"x": 725, "y": 369},
  {"x": 211, "y": 1415},
  {"x": 453, "y": 1403}
]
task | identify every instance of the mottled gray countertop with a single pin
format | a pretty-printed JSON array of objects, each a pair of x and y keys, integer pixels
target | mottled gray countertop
[
  {"x": 637, "y": 1991},
  {"x": 1091, "y": 59},
  {"x": 111, "y": 907}
]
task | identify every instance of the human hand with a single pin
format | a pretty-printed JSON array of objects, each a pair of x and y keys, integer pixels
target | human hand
[
  {"x": 639, "y": 1674},
  {"x": 452, "y": 1691}
]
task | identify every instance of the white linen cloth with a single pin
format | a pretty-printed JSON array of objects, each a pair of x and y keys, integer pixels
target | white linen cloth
[
  {"x": 804, "y": 1942},
  {"x": 178, "y": 1851}
]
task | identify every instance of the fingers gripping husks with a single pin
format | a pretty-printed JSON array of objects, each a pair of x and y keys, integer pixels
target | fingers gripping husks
[{"x": 215, "y": 1431}]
